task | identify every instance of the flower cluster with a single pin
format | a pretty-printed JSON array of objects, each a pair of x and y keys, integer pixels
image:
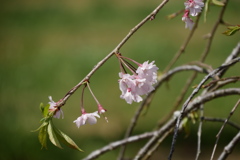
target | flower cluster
[
  {"x": 140, "y": 83},
  {"x": 193, "y": 8}
]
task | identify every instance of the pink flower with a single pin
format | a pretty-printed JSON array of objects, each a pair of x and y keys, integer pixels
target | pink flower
[
  {"x": 148, "y": 71},
  {"x": 54, "y": 108},
  {"x": 128, "y": 86},
  {"x": 133, "y": 86},
  {"x": 85, "y": 118},
  {"x": 194, "y": 6},
  {"x": 188, "y": 21}
]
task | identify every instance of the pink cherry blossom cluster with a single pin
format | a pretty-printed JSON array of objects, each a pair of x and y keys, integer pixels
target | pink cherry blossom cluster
[
  {"x": 139, "y": 83},
  {"x": 192, "y": 7}
]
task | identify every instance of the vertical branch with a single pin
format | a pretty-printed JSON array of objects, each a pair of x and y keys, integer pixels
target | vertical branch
[{"x": 199, "y": 133}]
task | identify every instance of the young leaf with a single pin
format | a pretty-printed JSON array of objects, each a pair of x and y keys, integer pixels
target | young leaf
[
  {"x": 66, "y": 140},
  {"x": 52, "y": 135},
  {"x": 44, "y": 109},
  {"x": 42, "y": 125},
  {"x": 232, "y": 30},
  {"x": 218, "y": 3},
  {"x": 42, "y": 136}
]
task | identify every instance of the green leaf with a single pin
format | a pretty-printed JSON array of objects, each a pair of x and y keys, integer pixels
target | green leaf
[
  {"x": 218, "y": 3},
  {"x": 67, "y": 140},
  {"x": 232, "y": 30},
  {"x": 44, "y": 109},
  {"x": 42, "y": 125},
  {"x": 52, "y": 135},
  {"x": 42, "y": 136}
]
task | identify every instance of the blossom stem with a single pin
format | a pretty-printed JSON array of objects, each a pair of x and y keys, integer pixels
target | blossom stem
[
  {"x": 93, "y": 94},
  {"x": 139, "y": 64},
  {"x": 81, "y": 103},
  {"x": 126, "y": 64}
]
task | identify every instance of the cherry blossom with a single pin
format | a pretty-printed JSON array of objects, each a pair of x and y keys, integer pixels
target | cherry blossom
[
  {"x": 85, "y": 118},
  {"x": 148, "y": 71},
  {"x": 128, "y": 86},
  {"x": 194, "y": 6},
  {"x": 54, "y": 108},
  {"x": 140, "y": 83},
  {"x": 188, "y": 21}
]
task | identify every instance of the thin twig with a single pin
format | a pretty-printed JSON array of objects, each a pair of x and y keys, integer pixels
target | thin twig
[
  {"x": 228, "y": 79},
  {"x": 210, "y": 119},
  {"x": 221, "y": 129},
  {"x": 199, "y": 133}
]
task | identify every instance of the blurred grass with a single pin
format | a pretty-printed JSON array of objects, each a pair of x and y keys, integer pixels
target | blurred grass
[{"x": 49, "y": 46}]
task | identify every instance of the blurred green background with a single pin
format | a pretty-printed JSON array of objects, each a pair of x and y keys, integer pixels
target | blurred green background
[{"x": 47, "y": 47}]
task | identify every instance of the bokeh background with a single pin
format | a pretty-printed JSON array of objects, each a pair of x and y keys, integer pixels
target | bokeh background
[{"x": 48, "y": 46}]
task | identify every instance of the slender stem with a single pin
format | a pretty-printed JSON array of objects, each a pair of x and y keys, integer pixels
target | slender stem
[
  {"x": 210, "y": 119},
  {"x": 127, "y": 65},
  {"x": 130, "y": 60},
  {"x": 81, "y": 103},
  {"x": 199, "y": 133},
  {"x": 92, "y": 94}
]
